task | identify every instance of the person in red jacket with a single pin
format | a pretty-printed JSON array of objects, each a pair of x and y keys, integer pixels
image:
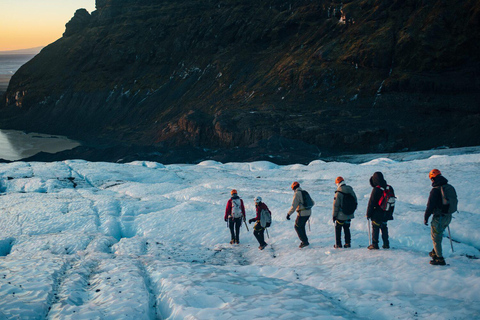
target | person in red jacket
[
  {"x": 234, "y": 214},
  {"x": 258, "y": 229}
]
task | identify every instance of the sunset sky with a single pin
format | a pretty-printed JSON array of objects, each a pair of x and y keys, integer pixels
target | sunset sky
[{"x": 34, "y": 23}]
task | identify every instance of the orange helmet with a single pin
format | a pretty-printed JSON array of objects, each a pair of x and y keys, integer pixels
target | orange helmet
[
  {"x": 234, "y": 191},
  {"x": 295, "y": 185},
  {"x": 339, "y": 179},
  {"x": 434, "y": 173}
]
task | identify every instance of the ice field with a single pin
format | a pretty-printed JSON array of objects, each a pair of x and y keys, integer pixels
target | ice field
[{"x": 83, "y": 240}]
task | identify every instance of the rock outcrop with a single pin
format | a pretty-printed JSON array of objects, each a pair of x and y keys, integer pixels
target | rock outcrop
[
  {"x": 340, "y": 77},
  {"x": 79, "y": 22}
]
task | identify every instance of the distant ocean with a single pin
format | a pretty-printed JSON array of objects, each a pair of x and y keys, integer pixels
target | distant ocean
[
  {"x": 9, "y": 64},
  {"x": 15, "y": 145}
]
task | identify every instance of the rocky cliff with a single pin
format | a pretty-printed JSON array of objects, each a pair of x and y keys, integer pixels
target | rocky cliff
[{"x": 264, "y": 77}]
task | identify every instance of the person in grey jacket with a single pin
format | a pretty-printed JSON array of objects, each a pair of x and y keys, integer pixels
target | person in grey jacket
[
  {"x": 340, "y": 218},
  {"x": 302, "y": 216}
]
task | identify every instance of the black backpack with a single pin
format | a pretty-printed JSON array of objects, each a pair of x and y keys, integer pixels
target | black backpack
[
  {"x": 449, "y": 199},
  {"x": 307, "y": 200},
  {"x": 349, "y": 204}
]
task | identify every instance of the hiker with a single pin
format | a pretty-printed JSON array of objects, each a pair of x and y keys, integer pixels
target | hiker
[
  {"x": 234, "y": 213},
  {"x": 262, "y": 222},
  {"x": 344, "y": 205},
  {"x": 376, "y": 213},
  {"x": 442, "y": 213},
  {"x": 303, "y": 213}
]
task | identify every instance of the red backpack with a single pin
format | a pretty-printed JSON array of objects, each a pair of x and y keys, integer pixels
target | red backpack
[{"x": 387, "y": 201}]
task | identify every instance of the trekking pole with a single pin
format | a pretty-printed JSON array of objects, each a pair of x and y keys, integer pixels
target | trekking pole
[
  {"x": 309, "y": 225},
  {"x": 266, "y": 229},
  {"x": 450, "y": 237},
  {"x": 369, "y": 234}
]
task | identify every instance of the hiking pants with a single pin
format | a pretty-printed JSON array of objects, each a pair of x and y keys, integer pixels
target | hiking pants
[
  {"x": 259, "y": 233},
  {"x": 234, "y": 225},
  {"x": 345, "y": 225},
  {"x": 439, "y": 224},
  {"x": 300, "y": 223},
  {"x": 377, "y": 226}
]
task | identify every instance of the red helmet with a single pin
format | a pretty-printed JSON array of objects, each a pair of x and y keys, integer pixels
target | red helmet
[
  {"x": 434, "y": 173},
  {"x": 295, "y": 185},
  {"x": 234, "y": 191},
  {"x": 339, "y": 179}
]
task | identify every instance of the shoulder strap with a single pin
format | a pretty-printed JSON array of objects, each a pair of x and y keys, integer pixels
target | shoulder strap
[{"x": 444, "y": 198}]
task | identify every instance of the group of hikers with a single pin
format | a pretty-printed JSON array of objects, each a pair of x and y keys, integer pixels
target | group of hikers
[{"x": 442, "y": 203}]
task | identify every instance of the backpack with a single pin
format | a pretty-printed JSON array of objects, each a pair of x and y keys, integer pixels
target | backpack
[
  {"x": 307, "y": 200},
  {"x": 449, "y": 199},
  {"x": 237, "y": 208},
  {"x": 265, "y": 218},
  {"x": 387, "y": 202},
  {"x": 349, "y": 204}
]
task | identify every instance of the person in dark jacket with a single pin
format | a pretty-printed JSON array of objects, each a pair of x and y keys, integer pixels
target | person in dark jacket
[
  {"x": 234, "y": 214},
  {"x": 341, "y": 219},
  {"x": 440, "y": 220},
  {"x": 258, "y": 230},
  {"x": 375, "y": 212}
]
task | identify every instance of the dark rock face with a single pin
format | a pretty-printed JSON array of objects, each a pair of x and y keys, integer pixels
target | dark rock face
[
  {"x": 357, "y": 76},
  {"x": 79, "y": 21}
]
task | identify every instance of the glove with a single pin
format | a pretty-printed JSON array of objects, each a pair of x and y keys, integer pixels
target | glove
[
  {"x": 251, "y": 220},
  {"x": 226, "y": 219},
  {"x": 288, "y": 217},
  {"x": 333, "y": 219},
  {"x": 425, "y": 222}
]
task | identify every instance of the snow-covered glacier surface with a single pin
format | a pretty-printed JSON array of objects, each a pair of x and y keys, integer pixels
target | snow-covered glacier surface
[{"x": 83, "y": 240}]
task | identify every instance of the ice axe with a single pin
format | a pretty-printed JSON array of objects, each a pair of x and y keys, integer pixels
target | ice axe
[{"x": 245, "y": 222}]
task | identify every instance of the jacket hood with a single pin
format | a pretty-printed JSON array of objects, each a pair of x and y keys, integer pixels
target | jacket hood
[
  {"x": 439, "y": 181},
  {"x": 378, "y": 180},
  {"x": 341, "y": 186}
]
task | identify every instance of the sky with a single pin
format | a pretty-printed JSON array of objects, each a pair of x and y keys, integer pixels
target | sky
[{"x": 28, "y": 24}]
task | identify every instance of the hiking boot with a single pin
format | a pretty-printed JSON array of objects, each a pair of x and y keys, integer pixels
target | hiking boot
[
  {"x": 237, "y": 242},
  {"x": 438, "y": 261},
  {"x": 263, "y": 247},
  {"x": 232, "y": 241},
  {"x": 386, "y": 246},
  {"x": 337, "y": 246},
  {"x": 432, "y": 254},
  {"x": 347, "y": 245},
  {"x": 303, "y": 245},
  {"x": 372, "y": 246}
]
